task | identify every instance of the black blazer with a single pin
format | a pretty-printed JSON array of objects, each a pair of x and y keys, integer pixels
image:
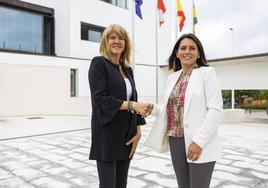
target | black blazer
[{"x": 111, "y": 127}]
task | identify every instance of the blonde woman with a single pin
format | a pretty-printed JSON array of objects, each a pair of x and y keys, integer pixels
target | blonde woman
[{"x": 115, "y": 122}]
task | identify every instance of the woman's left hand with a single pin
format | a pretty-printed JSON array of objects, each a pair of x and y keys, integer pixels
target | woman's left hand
[
  {"x": 134, "y": 141},
  {"x": 194, "y": 151}
]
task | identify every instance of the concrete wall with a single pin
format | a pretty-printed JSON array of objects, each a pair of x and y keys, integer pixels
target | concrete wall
[
  {"x": 34, "y": 85},
  {"x": 237, "y": 75}
]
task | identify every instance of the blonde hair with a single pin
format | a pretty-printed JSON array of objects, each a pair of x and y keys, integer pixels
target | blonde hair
[{"x": 104, "y": 47}]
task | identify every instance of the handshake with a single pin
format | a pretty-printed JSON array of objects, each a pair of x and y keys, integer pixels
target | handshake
[{"x": 144, "y": 109}]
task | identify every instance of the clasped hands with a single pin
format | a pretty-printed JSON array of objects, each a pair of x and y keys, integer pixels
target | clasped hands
[{"x": 144, "y": 109}]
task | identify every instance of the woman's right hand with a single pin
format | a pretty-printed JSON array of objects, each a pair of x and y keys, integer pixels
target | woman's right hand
[{"x": 144, "y": 109}]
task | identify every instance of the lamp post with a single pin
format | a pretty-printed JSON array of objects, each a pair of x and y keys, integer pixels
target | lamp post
[
  {"x": 232, "y": 51},
  {"x": 232, "y": 40}
]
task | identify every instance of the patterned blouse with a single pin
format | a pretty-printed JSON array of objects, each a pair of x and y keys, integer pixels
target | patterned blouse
[{"x": 175, "y": 107}]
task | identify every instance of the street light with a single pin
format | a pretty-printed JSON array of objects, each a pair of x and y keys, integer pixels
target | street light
[{"x": 232, "y": 47}]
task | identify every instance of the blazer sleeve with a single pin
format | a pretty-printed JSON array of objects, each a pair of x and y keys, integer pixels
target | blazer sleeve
[
  {"x": 140, "y": 120},
  {"x": 159, "y": 108},
  {"x": 156, "y": 110},
  {"x": 214, "y": 104},
  {"x": 106, "y": 106}
]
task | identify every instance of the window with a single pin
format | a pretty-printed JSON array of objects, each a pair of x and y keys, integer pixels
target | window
[
  {"x": 73, "y": 80},
  {"x": 119, "y": 3},
  {"x": 26, "y": 31},
  {"x": 91, "y": 32}
]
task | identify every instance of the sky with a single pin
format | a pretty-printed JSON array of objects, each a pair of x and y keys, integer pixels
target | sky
[{"x": 247, "y": 18}]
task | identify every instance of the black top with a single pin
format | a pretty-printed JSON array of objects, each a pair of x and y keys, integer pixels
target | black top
[{"x": 111, "y": 127}]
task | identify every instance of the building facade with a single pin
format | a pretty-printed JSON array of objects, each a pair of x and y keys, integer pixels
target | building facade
[{"x": 46, "y": 47}]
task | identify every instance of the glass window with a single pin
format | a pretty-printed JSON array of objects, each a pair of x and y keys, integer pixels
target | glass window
[
  {"x": 91, "y": 32},
  {"x": 120, "y": 3},
  {"x": 26, "y": 31},
  {"x": 21, "y": 30},
  {"x": 73, "y": 80}
]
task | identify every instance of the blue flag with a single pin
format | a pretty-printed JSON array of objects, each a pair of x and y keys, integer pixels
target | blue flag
[{"x": 138, "y": 8}]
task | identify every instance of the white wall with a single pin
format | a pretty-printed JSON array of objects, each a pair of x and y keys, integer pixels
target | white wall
[
  {"x": 235, "y": 75},
  {"x": 34, "y": 85}
]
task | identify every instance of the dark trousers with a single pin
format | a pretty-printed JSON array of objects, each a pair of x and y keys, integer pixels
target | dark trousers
[
  {"x": 113, "y": 174},
  {"x": 189, "y": 175}
]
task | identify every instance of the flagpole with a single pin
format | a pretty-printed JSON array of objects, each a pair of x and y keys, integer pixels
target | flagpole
[
  {"x": 156, "y": 52},
  {"x": 193, "y": 17},
  {"x": 176, "y": 21},
  {"x": 132, "y": 33}
]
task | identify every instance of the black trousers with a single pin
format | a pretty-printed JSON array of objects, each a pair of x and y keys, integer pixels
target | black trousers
[
  {"x": 189, "y": 175},
  {"x": 113, "y": 174}
]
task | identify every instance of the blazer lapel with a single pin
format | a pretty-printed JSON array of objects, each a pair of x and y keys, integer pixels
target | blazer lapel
[
  {"x": 194, "y": 78},
  {"x": 171, "y": 85}
]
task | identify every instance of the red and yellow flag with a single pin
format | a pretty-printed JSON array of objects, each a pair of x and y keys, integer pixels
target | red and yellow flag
[
  {"x": 180, "y": 14},
  {"x": 162, "y": 10}
]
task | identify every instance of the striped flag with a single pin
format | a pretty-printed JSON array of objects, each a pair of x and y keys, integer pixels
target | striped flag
[
  {"x": 162, "y": 10},
  {"x": 138, "y": 8},
  {"x": 194, "y": 18},
  {"x": 180, "y": 14}
]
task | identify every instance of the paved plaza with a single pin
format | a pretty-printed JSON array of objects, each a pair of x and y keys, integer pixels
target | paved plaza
[{"x": 56, "y": 156}]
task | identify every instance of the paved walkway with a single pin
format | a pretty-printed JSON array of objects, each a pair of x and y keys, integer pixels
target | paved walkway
[{"x": 60, "y": 160}]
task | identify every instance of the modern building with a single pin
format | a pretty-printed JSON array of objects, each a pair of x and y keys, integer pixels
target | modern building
[{"x": 46, "y": 47}]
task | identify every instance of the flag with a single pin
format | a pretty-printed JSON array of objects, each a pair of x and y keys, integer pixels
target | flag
[
  {"x": 138, "y": 8},
  {"x": 194, "y": 18},
  {"x": 162, "y": 10},
  {"x": 180, "y": 14}
]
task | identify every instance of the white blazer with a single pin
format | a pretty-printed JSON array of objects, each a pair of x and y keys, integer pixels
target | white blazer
[{"x": 202, "y": 115}]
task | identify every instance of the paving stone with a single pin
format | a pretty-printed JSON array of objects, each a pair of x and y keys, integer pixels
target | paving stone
[
  {"x": 135, "y": 182},
  {"x": 162, "y": 181},
  {"x": 79, "y": 156},
  {"x": 227, "y": 168},
  {"x": 235, "y": 186},
  {"x": 215, "y": 182},
  {"x": 13, "y": 165},
  {"x": 83, "y": 150},
  {"x": 55, "y": 157},
  {"x": 4, "y": 174},
  {"x": 70, "y": 163},
  {"x": 251, "y": 166},
  {"x": 61, "y": 151},
  {"x": 265, "y": 163},
  {"x": 49, "y": 182},
  {"x": 136, "y": 172},
  {"x": 27, "y": 158},
  {"x": 229, "y": 176},
  {"x": 231, "y": 151},
  {"x": 224, "y": 161},
  {"x": 242, "y": 158},
  {"x": 14, "y": 182},
  {"x": 260, "y": 175},
  {"x": 28, "y": 174},
  {"x": 154, "y": 165},
  {"x": 56, "y": 170}
]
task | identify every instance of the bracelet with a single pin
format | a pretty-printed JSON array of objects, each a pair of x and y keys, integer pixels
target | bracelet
[
  {"x": 128, "y": 105},
  {"x": 131, "y": 107}
]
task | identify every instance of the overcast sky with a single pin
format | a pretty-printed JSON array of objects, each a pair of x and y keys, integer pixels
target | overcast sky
[{"x": 248, "y": 18}]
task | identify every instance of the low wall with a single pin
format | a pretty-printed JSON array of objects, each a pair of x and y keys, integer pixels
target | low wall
[{"x": 233, "y": 116}]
